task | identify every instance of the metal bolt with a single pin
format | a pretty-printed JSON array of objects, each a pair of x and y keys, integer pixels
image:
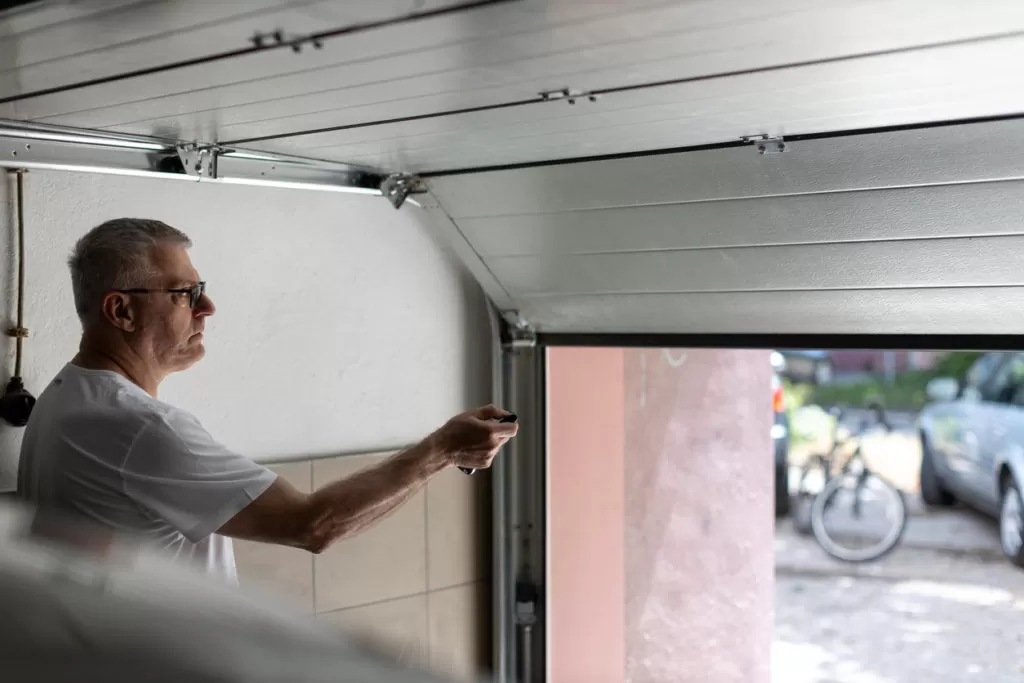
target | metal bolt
[
  {"x": 592, "y": 98},
  {"x": 761, "y": 149},
  {"x": 782, "y": 147},
  {"x": 572, "y": 100}
]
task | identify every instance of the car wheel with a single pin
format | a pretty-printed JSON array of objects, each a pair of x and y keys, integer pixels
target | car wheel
[
  {"x": 1011, "y": 524},
  {"x": 933, "y": 492},
  {"x": 781, "y": 490}
]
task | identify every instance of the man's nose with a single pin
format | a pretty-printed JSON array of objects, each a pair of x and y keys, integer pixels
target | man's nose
[{"x": 205, "y": 307}]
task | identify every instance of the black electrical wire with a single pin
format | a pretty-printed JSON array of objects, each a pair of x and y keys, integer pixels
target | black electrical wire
[{"x": 19, "y": 329}]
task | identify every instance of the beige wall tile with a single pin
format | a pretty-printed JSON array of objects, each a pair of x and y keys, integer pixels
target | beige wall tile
[
  {"x": 399, "y": 627},
  {"x": 459, "y": 630},
  {"x": 458, "y": 528},
  {"x": 384, "y": 562},
  {"x": 286, "y": 572}
]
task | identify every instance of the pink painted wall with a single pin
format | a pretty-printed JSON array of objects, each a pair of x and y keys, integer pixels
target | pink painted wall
[
  {"x": 586, "y": 515},
  {"x": 664, "y": 504}
]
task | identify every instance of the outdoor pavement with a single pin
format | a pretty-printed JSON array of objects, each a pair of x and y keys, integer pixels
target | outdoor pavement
[{"x": 944, "y": 606}]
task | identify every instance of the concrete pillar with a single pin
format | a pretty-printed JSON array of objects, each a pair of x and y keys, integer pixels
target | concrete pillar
[
  {"x": 677, "y": 445},
  {"x": 699, "y": 516}
]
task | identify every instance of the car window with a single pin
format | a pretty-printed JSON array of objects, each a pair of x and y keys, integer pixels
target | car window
[
  {"x": 1007, "y": 381},
  {"x": 982, "y": 370}
]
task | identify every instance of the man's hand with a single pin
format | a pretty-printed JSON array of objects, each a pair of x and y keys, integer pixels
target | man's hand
[{"x": 473, "y": 438}]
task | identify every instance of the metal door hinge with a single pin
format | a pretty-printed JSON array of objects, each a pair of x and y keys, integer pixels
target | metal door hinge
[
  {"x": 278, "y": 37},
  {"x": 397, "y": 187},
  {"x": 199, "y": 160},
  {"x": 521, "y": 334},
  {"x": 767, "y": 144},
  {"x": 567, "y": 94}
]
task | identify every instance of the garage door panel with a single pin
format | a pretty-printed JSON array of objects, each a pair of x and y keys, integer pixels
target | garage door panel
[
  {"x": 716, "y": 36},
  {"x": 446, "y": 54},
  {"x": 811, "y": 92},
  {"x": 167, "y": 32},
  {"x": 66, "y": 30},
  {"x": 468, "y": 60},
  {"x": 998, "y": 310},
  {"x": 516, "y": 43},
  {"x": 884, "y": 91},
  {"x": 920, "y": 263},
  {"x": 919, "y": 213},
  {"x": 904, "y": 158}
]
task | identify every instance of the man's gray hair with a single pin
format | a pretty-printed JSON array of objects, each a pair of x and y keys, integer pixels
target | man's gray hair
[{"x": 116, "y": 255}]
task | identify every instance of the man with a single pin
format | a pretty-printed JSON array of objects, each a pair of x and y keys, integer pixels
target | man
[{"x": 102, "y": 446}]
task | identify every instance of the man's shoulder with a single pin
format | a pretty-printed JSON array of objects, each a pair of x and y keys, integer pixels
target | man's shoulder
[{"x": 105, "y": 400}]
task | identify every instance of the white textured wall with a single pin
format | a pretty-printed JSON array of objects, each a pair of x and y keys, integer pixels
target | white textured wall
[{"x": 341, "y": 325}]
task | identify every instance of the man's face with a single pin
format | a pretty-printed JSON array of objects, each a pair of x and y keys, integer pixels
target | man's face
[{"x": 169, "y": 332}]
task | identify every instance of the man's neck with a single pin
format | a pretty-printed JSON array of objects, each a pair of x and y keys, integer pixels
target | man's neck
[{"x": 126, "y": 364}]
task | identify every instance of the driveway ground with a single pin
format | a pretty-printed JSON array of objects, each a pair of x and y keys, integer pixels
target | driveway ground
[{"x": 944, "y": 607}]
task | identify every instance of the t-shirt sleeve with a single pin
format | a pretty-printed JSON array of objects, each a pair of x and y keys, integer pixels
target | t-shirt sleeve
[{"x": 178, "y": 472}]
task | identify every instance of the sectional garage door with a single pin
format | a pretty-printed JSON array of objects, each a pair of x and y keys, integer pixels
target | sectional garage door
[{"x": 596, "y": 164}]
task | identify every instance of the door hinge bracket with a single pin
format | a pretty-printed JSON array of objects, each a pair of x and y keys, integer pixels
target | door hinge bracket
[
  {"x": 521, "y": 334},
  {"x": 200, "y": 160},
  {"x": 568, "y": 94},
  {"x": 766, "y": 144},
  {"x": 397, "y": 187}
]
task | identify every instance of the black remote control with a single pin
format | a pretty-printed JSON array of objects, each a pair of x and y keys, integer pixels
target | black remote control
[{"x": 508, "y": 418}]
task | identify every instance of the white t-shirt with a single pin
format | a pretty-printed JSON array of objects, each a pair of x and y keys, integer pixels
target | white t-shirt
[{"x": 99, "y": 446}]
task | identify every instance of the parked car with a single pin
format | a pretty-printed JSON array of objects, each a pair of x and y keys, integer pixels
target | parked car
[
  {"x": 780, "y": 438},
  {"x": 811, "y": 366},
  {"x": 972, "y": 443}
]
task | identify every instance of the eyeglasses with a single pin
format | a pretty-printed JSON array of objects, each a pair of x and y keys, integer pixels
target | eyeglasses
[{"x": 195, "y": 292}]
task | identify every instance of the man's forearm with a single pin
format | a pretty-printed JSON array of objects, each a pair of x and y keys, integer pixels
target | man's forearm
[{"x": 346, "y": 507}]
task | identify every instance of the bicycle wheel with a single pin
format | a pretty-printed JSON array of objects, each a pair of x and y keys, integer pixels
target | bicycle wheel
[{"x": 858, "y": 517}]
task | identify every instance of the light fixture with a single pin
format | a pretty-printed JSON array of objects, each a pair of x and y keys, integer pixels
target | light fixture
[
  {"x": 294, "y": 185},
  {"x": 84, "y": 168},
  {"x": 251, "y": 156},
  {"x": 28, "y": 134}
]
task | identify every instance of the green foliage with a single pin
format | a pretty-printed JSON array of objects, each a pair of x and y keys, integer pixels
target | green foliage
[
  {"x": 955, "y": 364},
  {"x": 905, "y": 392}
]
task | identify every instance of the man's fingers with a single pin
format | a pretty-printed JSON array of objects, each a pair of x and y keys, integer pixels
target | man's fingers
[{"x": 490, "y": 412}]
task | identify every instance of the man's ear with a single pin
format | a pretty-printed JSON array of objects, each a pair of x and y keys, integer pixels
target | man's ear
[{"x": 118, "y": 311}]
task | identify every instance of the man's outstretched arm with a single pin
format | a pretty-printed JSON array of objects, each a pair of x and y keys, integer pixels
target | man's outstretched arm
[{"x": 343, "y": 508}]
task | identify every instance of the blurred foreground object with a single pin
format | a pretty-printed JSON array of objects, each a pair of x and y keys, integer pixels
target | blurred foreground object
[{"x": 83, "y": 606}]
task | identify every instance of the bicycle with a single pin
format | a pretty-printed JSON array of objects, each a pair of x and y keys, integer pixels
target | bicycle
[{"x": 846, "y": 497}]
